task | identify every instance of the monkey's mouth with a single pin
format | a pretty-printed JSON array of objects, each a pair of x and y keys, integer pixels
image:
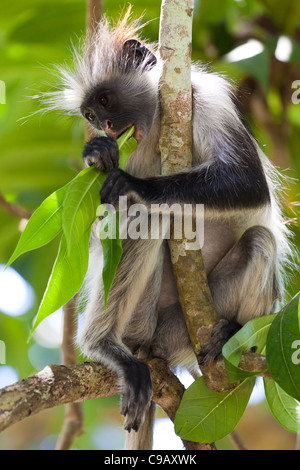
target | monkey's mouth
[
  {"x": 137, "y": 135},
  {"x": 123, "y": 131}
]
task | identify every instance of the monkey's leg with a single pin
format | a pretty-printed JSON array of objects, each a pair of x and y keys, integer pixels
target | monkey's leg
[
  {"x": 110, "y": 337},
  {"x": 244, "y": 285},
  {"x": 134, "y": 377},
  {"x": 171, "y": 340}
]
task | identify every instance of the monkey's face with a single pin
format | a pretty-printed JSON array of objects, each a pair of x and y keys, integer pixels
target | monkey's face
[{"x": 115, "y": 105}]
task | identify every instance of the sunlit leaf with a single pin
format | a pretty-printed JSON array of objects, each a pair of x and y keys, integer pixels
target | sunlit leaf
[
  {"x": 66, "y": 278},
  {"x": 80, "y": 204},
  {"x": 285, "y": 408},
  {"x": 44, "y": 224}
]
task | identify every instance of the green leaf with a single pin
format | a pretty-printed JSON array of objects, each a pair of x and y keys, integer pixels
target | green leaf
[
  {"x": 283, "y": 407},
  {"x": 206, "y": 416},
  {"x": 253, "y": 334},
  {"x": 112, "y": 250},
  {"x": 44, "y": 224},
  {"x": 80, "y": 204},
  {"x": 295, "y": 55},
  {"x": 283, "y": 338},
  {"x": 66, "y": 278},
  {"x": 126, "y": 146}
]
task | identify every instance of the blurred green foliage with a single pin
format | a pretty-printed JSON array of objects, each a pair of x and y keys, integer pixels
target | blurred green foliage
[{"x": 41, "y": 152}]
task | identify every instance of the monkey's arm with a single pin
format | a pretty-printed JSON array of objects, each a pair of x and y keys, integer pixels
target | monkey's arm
[{"x": 218, "y": 185}]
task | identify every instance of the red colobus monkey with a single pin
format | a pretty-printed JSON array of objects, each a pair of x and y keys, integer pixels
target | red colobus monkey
[{"x": 116, "y": 85}]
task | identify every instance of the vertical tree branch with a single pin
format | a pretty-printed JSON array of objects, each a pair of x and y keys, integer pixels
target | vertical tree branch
[
  {"x": 175, "y": 39},
  {"x": 176, "y": 144}
]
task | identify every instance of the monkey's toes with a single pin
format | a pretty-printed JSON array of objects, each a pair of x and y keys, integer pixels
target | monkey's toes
[{"x": 222, "y": 332}]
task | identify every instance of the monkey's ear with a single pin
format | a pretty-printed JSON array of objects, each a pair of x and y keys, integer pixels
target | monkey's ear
[{"x": 137, "y": 54}]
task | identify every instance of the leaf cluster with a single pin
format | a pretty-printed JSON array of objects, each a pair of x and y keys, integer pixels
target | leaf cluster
[
  {"x": 206, "y": 416},
  {"x": 69, "y": 213}
]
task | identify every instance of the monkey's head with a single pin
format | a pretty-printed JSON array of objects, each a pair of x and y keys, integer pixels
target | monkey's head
[
  {"x": 125, "y": 95},
  {"x": 115, "y": 84}
]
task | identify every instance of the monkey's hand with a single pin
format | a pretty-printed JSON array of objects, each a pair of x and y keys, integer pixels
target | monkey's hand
[
  {"x": 119, "y": 183},
  {"x": 136, "y": 394},
  {"x": 103, "y": 152}
]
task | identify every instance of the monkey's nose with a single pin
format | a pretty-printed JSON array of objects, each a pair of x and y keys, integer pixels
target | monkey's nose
[{"x": 108, "y": 126}]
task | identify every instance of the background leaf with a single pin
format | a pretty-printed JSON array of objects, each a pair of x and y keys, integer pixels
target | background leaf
[
  {"x": 258, "y": 66},
  {"x": 43, "y": 226},
  {"x": 207, "y": 416}
]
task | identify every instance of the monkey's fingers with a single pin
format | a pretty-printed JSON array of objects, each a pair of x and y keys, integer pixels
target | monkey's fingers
[
  {"x": 118, "y": 183},
  {"x": 103, "y": 152}
]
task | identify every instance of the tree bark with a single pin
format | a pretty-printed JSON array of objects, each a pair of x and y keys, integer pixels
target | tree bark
[{"x": 176, "y": 143}]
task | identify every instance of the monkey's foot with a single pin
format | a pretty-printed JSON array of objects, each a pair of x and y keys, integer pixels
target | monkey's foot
[
  {"x": 136, "y": 396},
  {"x": 222, "y": 332}
]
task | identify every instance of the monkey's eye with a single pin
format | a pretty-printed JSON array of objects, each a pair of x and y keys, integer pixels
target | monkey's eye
[
  {"x": 90, "y": 117},
  {"x": 104, "y": 101}
]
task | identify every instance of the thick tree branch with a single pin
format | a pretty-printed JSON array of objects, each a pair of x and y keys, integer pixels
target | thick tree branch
[
  {"x": 58, "y": 385},
  {"x": 54, "y": 385}
]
